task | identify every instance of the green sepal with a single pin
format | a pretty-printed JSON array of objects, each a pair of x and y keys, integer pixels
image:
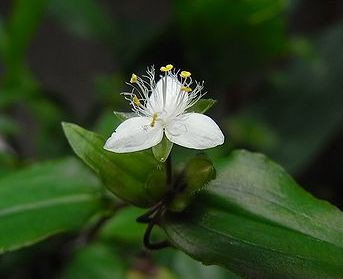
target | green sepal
[
  {"x": 122, "y": 116},
  {"x": 202, "y": 105},
  {"x": 162, "y": 150}
]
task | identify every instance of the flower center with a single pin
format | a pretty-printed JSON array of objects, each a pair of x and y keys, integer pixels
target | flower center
[{"x": 166, "y": 99}]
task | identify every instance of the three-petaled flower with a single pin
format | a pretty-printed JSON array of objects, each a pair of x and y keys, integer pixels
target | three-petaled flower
[{"x": 161, "y": 108}]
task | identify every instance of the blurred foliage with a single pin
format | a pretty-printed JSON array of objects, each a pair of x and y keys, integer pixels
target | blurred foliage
[
  {"x": 123, "y": 227},
  {"x": 233, "y": 37},
  {"x": 303, "y": 104},
  {"x": 278, "y": 92},
  {"x": 95, "y": 261},
  {"x": 86, "y": 18}
]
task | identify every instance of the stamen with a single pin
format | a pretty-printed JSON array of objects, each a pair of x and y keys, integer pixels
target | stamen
[
  {"x": 133, "y": 78},
  {"x": 166, "y": 68},
  {"x": 136, "y": 101},
  {"x": 186, "y": 89},
  {"x": 185, "y": 74},
  {"x": 154, "y": 117},
  {"x": 146, "y": 97},
  {"x": 169, "y": 67}
]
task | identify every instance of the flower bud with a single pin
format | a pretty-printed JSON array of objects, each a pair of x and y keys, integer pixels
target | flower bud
[{"x": 197, "y": 173}]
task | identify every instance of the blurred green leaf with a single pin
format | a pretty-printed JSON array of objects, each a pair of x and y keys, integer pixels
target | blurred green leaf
[
  {"x": 107, "y": 123},
  {"x": 47, "y": 117},
  {"x": 108, "y": 89},
  {"x": 257, "y": 222},
  {"x": 18, "y": 83},
  {"x": 18, "y": 86},
  {"x": 134, "y": 177},
  {"x": 86, "y": 18},
  {"x": 304, "y": 107},
  {"x": 123, "y": 228},
  {"x": 8, "y": 126},
  {"x": 303, "y": 48},
  {"x": 46, "y": 199},
  {"x": 248, "y": 131},
  {"x": 158, "y": 273},
  {"x": 202, "y": 105},
  {"x": 23, "y": 21},
  {"x": 186, "y": 267},
  {"x": 96, "y": 261},
  {"x": 8, "y": 161},
  {"x": 93, "y": 20},
  {"x": 251, "y": 34},
  {"x": 3, "y": 39}
]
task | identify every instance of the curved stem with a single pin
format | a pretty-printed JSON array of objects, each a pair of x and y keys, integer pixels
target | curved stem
[
  {"x": 153, "y": 215},
  {"x": 146, "y": 217},
  {"x": 147, "y": 235}
]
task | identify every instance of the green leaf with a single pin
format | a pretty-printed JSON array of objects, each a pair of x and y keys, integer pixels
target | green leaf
[
  {"x": 250, "y": 131},
  {"x": 202, "y": 105},
  {"x": 134, "y": 177},
  {"x": 257, "y": 222},
  {"x": 46, "y": 199},
  {"x": 186, "y": 267},
  {"x": 95, "y": 261}
]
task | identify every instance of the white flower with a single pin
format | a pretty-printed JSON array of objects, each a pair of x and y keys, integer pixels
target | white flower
[{"x": 162, "y": 108}]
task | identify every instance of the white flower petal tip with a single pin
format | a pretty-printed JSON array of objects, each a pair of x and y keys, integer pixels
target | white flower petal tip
[
  {"x": 196, "y": 131},
  {"x": 134, "y": 134},
  {"x": 161, "y": 107}
]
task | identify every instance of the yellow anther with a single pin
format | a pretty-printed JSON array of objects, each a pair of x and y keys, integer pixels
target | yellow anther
[
  {"x": 185, "y": 74},
  {"x": 133, "y": 78},
  {"x": 166, "y": 68},
  {"x": 153, "y": 120},
  {"x": 136, "y": 101},
  {"x": 169, "y": 67},
  {"x": 186, "y": 89}
]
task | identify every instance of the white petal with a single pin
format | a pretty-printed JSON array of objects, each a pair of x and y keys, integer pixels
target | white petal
[
  {"x": 194, "y": 130},
  {"x": 173, "y": 95},
  {"x": 134, "y": 134}
]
